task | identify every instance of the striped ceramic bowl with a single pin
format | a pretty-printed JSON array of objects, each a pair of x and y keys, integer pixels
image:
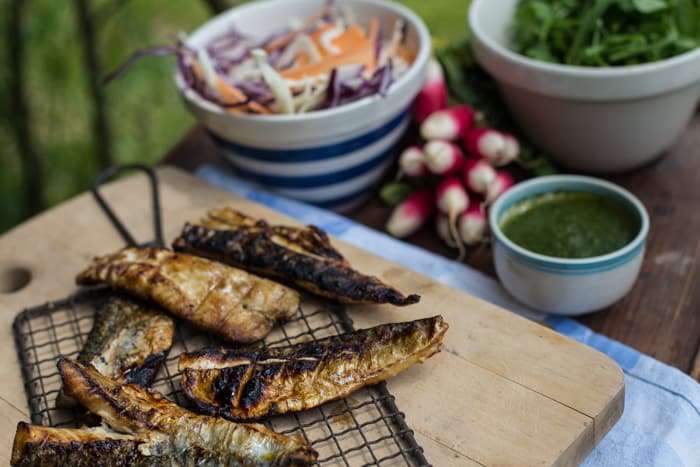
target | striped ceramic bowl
[
  {"x": 332, "y": 158},
  {"x": 559, "y": 285}
]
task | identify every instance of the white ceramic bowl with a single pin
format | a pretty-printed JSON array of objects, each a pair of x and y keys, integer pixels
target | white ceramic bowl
[
  {"x": 567, "y": 286},
  {"x": 588, "y": 119},
  {"x": 332, "y": 157}
]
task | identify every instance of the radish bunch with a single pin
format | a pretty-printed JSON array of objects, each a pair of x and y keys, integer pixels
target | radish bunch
[{"x": 455, "y": 170}]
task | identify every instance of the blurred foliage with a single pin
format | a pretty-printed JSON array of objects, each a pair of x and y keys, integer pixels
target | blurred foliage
[{"x": 147, "y": 117}]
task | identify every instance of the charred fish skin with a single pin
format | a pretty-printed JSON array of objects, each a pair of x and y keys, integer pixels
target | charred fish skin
[
  {"x": 195, "y": 439},
  {"x": 245, "y": 385},
  {"x": 304, "y": 257},
  {"x": 57, "y": 447},
  {"x": 128, "y": 342},
  {"x": 235, "y": 305}
]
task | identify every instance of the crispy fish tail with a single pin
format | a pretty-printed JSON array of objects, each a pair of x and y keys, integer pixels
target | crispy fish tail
[
  {"x": 244, "y": 385},
  {"x": 137, "y": 411}
]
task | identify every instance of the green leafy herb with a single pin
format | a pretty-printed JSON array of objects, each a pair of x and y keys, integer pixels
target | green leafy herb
[
  {"x": 395, "y": 192},
  {"x": 605, "y": 32}
]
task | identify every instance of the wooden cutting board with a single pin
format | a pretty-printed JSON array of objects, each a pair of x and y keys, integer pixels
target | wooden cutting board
[{"x": 503, "y": 391}]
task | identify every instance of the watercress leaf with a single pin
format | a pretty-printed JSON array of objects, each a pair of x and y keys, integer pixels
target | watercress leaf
[
  {"x": 542, "y": 11},
  {"x": 626, "y": 5},
  {"x": 395, "y": 192},
  {"x": 650, "y": 6}
]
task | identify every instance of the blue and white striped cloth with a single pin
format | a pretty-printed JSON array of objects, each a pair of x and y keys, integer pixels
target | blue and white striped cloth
[{"x": 661, "y": 422}]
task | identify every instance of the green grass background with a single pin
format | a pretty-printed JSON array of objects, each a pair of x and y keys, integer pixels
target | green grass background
[{"x": 147, "y": 117}]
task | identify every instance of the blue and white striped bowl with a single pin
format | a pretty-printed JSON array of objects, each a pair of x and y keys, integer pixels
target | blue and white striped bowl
[
  {"x": 332, "y": 158},
  {"x": 559, "y": 285}
]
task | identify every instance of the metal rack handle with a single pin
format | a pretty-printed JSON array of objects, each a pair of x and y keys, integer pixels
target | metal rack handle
[{"x": 111, "y": 172}]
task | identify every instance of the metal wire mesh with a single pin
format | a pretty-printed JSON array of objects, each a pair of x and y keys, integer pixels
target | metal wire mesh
[{"x": 362, "y": 430}]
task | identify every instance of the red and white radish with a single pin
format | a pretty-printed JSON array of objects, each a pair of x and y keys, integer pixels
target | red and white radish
[
  {"x": 502, "y": 183},
  {"x": 478, "y": 175},
  {"x": 442, "y": 227},
  {"x": 412, "y": 162},
  {"x": 410, "y": 215},
  {"x": 452, "y": 199},
  {"x": 472, "y": 225},
  {"x": 511, "y": 150},
  {"x": 484, "y": 142},
  {"x": 442, "y": 157},
  {"x": 433, "y": 96},
  {"x": 496, "y": 147},
  {"x": 447, "y": 124}
]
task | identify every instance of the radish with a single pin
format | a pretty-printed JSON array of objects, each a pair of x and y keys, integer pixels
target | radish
[
  {"x": 412, "y": 162},
  {"x": 443, "y": 157},
  {"x": 447, "y": 124},
  {"x": 502, "y": 183},
  {"x": 478, "y": 175},
  {"x": 410, "y": 215},
  {"x": 511, "y": 150},
  {"x": 484, "y": 142},
  {"x": 472, "y": 225},
  {"x": 452, "y": 199},
  {"x": 442, "y": 226},
  {"x": 433, "y": 96}
]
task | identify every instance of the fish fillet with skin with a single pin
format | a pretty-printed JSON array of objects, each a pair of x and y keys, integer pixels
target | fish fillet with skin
[
  {"x": 45, "y": 446},
  {"x": 128, "y": 342},
  {"x": 302, "y": 256},
  {"x": 144, "y": 426},
  {"x": 245, "y": 385},
  {"x": 235, "y": 305}
]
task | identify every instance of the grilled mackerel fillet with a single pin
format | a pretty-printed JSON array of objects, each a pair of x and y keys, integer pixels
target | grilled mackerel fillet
[
  {"x": 128, "y": 342},
  {"x": 236, "y": 305},
  {"x": 154, "y": 432},
  {"x": 45, "y": 446},
  {"x": 302, "y": 256},
  {"x": 243, "y": 385}
]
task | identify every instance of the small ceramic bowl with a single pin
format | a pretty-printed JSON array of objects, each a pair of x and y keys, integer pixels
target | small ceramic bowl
[
  {"x": 567, "y": 286},
  {"x": 588, "y": 119},
  {"x": 333, "y": 157}
]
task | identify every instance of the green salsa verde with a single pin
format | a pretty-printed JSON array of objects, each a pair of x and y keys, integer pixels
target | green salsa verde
[{"x": 570, "y": 224}]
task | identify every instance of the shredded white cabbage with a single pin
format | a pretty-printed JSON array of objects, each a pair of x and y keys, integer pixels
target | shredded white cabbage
[{"x": 277, "y": 84}]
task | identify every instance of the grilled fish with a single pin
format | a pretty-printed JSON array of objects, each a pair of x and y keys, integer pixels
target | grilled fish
[
  {"x": 244, "y": 385},
  {"x": 158, "y": 429},
  {"x": 128, "y": 342},
  {"x": 236, "y": 305},
  {"x": 302, "y": 256},
  {"x": 45, "y": 446}
]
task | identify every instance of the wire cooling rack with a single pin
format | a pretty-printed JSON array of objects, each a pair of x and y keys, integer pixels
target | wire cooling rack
[{"x": 362, "y": 430}]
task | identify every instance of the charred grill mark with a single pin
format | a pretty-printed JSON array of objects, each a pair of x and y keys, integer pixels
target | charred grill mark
[
  {"x": 227, "y": 383},
  {"x": 308, "y": 373},
  {"x": 299, "y": 366},
  {"x": 319, "y": 269},
  {"x": 270, "y": 370},
  {"x": 253, "y": 391},
  {"x": 145, "y": 374}
]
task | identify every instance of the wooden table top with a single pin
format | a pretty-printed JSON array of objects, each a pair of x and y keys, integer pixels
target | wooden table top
[{"x": 661, "y": 315}]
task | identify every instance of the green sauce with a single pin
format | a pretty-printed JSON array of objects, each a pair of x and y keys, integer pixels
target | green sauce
[{"x": 570, "y": 224}]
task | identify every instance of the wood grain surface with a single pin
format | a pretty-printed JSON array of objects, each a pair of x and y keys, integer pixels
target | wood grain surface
[
  {"x": 659, "y": 316},
  {"x": 504, "y": 390}
]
